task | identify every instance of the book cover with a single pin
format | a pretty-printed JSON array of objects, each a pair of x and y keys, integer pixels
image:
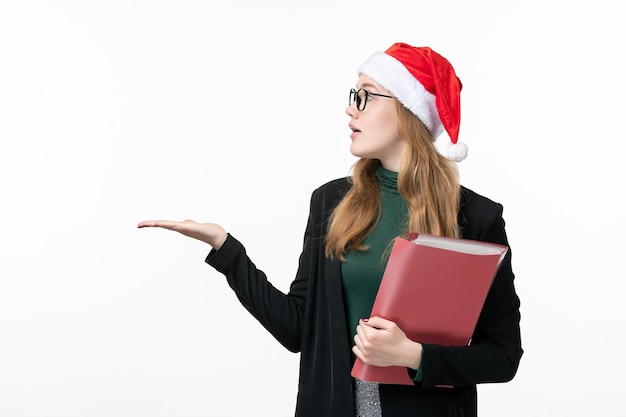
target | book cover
[{"x": 434, "y": 289}]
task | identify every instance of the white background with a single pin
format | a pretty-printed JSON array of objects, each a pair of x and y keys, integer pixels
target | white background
[{"x": 112, "y": 112}]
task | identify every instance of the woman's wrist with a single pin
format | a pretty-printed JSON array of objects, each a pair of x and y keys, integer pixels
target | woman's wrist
[
  {"x": 414, "y": 355},
  {"x": 219, "y": 239}
]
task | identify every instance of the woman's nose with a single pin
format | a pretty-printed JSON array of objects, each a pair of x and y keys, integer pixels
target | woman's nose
[{"x": 352, "y": 111}]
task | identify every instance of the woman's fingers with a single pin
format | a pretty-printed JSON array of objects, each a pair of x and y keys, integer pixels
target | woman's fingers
[{"x": 166, "y": 224}]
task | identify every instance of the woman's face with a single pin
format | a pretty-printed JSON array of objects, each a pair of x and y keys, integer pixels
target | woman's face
[{"x": 375, "y": 128}]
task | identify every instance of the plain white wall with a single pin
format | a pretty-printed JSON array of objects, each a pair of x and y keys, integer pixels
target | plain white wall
[{"x": 112, "y": 112}]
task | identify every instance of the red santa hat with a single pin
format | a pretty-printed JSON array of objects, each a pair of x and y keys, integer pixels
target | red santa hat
[{"x": 426, "y": 84}]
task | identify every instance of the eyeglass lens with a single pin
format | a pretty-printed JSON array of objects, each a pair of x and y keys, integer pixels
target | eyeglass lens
[{"x": 360, "y": 96}]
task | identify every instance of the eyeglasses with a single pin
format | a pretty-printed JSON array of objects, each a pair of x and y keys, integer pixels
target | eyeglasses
[{"x": 361, "y": 97}]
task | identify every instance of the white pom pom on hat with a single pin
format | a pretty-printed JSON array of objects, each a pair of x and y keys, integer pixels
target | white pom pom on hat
[
  {"x": 426, "y": 84},
  {"x": 457, "y": 151}
]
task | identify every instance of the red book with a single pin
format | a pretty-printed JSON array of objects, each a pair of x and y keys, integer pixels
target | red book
[{"x": 434, "y": 289}]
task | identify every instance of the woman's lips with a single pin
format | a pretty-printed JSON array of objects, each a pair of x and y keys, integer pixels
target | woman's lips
[{"x": 355, "y": 132}]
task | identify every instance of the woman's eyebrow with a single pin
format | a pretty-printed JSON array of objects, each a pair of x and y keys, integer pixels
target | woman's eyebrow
[{"x": 368, "y": 85}]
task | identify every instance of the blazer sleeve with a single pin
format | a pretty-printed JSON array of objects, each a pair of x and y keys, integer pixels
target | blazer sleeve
[
  {"x": 283, "y": 315},
  {"x": 495, "y": 351},
  {"x": 279, "y": 313}
]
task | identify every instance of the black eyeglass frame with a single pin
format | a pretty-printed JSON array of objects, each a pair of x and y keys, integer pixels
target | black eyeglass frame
[{"x": 354, "y": 97}]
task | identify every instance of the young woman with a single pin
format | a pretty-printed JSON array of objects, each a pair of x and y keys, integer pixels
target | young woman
[{"x": 404, "y": 99}]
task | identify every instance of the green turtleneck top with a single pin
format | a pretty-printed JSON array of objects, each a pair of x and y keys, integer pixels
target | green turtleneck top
[{"x": 362, "y": 271}]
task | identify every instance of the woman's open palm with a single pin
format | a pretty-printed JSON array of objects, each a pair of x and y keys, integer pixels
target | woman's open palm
[{"x": 211, "y": 233}]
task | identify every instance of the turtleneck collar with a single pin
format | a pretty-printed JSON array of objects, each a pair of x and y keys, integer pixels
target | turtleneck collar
[{"x": 388, "y": 179}]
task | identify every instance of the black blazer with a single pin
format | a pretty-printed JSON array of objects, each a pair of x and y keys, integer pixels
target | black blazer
[{"x": 310, "y": 319}]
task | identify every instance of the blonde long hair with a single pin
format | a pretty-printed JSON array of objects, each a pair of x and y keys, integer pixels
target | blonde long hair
[{"x": 428, "y": 182}]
